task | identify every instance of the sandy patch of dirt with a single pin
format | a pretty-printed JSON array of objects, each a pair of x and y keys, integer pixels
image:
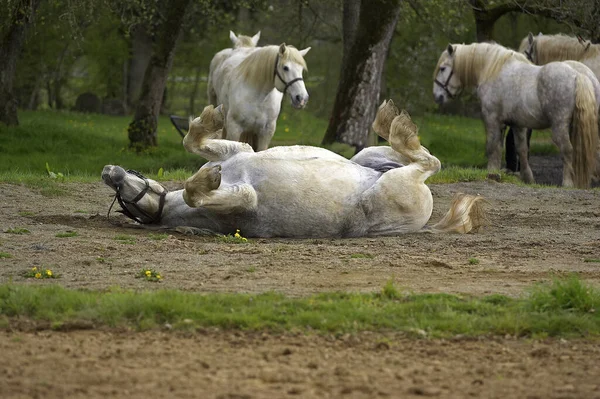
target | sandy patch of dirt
[
  {"x": 533, "y": 235},
  {"x": 100, "y": 364}
]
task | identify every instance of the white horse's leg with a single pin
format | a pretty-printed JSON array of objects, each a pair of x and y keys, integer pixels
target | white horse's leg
[
  {"x": 520, "y": 137},
  {"x": 203, "y": 190},
  {"x": 493, "y": 142},
  {"x": 263, "y": 139},
  {"x": 560, "y": 137}
]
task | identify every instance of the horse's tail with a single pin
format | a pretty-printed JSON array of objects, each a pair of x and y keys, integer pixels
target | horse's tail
[
  {"x": 584, "y": 132},
  {"x": 465, "y": 214}
]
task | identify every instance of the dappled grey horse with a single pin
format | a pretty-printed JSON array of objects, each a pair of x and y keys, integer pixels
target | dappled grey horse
[{"x": 517, "y": 93}]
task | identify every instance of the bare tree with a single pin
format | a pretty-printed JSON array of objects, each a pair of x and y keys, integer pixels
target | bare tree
[{"x": 368, "y": 30}]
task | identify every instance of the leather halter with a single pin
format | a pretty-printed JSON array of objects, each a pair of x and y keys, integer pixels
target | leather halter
[
  {"x": 529, "y": 54},
  {"x": 444, "y": 85},
  {"x": 122, "y": 202},
  {"x": 287, "y": 84}
]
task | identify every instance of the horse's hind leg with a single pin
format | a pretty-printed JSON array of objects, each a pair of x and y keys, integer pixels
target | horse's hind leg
[
  {"x": 521, "y": 144},
  {"x": 204, "y": 189},
  {"x": 560, "y": 137}
]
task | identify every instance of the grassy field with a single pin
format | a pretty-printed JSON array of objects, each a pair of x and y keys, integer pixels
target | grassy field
[
  {"x": 563, "y": 308},
  {"x": 77, "y": 146}
]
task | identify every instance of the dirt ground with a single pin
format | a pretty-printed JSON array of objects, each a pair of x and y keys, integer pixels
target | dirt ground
[{"x": 533, "y": 235}]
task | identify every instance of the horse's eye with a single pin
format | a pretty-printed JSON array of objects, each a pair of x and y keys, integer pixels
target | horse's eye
[
  {"x": 442, "y": 69},
  {"x": 286, "y": 68}
]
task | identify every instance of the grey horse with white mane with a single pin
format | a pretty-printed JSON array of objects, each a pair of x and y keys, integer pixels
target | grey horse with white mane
[
  {"x": 299, "y": 191},
  {"x": 516, "y": 93}
]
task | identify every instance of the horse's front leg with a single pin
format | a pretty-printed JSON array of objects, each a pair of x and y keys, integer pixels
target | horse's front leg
[
  {"x": 233, "y": 130},
  {"x": 522, "y": 146},
  {"x": 263, "y": 139},
  {"x": 494, "y": 143}
]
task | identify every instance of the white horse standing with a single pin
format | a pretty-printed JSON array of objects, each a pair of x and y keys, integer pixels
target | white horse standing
[
  {"x": 579, "y": 54},
  {"x": 251, "y": 84},
  {"x": 517, "y": 93},
  {"x": 298, "y": 191},
  {"x": 239, "y": 42}
]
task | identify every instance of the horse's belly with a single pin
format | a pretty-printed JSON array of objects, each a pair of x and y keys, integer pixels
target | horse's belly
[{"x": 308, "y": 198}]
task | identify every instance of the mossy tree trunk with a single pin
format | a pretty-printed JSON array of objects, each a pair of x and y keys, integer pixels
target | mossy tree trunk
[
  {"x": 142, "y": 130},
  {"x": 21, "y": 15},
  {"x": 365, "y": 50}
]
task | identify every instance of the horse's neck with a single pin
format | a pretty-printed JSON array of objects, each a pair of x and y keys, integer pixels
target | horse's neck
[{"x": 176, "y": 212}]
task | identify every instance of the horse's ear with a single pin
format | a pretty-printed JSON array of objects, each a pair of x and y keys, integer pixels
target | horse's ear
[
  {"x": 530, "y": 37},
  {"x": 450, "y": 50},
  {"x": 220, "y": 109},
  {"x": 233, "y": 37},
  {"x": 580, "y": 39},
  {"x": 282, "y": 49},
  {"x": 588, "y": 46},
  {"x": 303, "y": 52},
  {"x": 255, "y": 39}
]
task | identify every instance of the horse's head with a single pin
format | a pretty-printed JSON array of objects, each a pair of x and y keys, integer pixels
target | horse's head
[
  {"x": 140, "y": 198},
  {"x": 446, "y": 84},
  {"x": 243, "y": 41},
  {"x": 288, "y": 74},
  {"x": 528, "y": 47}
]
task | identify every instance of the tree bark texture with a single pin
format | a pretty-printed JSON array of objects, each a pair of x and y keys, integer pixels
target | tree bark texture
[
  {"x": 357, "y": 95},
  {"x": 10, "y": 49},
  {"x": 142, "y": 130},
  {"x": 141, "y": 51}
]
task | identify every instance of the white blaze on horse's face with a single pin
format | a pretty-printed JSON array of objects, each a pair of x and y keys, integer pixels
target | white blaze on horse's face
[
  {"x": 446, "y": 84},
  {"x": 288, "y": 75}
]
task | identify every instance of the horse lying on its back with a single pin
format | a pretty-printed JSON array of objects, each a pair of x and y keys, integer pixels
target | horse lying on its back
[{"x": 299, "y": 191}]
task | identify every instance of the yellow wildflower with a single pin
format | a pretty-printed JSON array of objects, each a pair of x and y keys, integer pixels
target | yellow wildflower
[
  {"x": 38, "y": 275},
  {"x": 284, "y": 116},
  {"x": 148, "y": 273},
  {"x": 49, "y": 273},
  {"x": 158, "y": 276},
  {"x": 34, "y": 269},
  {"x": 244, "y": 239},
  {"x": 287, "y": 129}
]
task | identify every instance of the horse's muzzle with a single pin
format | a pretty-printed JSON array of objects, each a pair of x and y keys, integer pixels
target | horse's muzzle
[
  {"x": 299, "y": 102},
  {"x": 440, "y": 99},
  {"x": 114, "y": 176}
]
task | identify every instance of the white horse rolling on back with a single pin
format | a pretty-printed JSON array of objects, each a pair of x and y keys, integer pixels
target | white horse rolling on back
[
  {"x": 239, "y": 42},
  {"x": 251, "y": 84},
  {"x": 299, "y": 191},
  {"x": 517, "y": 93}
]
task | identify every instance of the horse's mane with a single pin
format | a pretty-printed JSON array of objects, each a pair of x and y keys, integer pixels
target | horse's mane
[
  {"x": 560, "y": 47},
  {"x": 259, "y": 67},
  {"x": 479, "y": 62}
]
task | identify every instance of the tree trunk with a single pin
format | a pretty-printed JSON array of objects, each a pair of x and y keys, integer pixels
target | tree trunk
[
  {"x": 11, "y": 45},
  {"x": 141, "y": 51},
  {"x": 351, "y": 16},
  {"x": 357, "y": 95},
  {"x": 142, "y": 130}
]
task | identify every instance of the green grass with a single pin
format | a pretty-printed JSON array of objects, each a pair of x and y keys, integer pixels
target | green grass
[
  {"x": 125, "y": 239},
  {"x": 66, "y": 234},
  {"x": 5, "y": 255},
  {"x": 17, "y": 230},
  {"x": 565, "y": 307},
  {"x": 50, "y": 148}
]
